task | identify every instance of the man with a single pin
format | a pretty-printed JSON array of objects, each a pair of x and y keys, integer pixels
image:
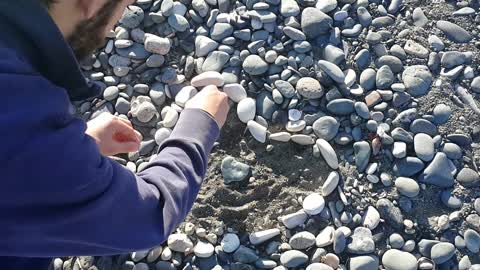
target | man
[{"x": 60, "y": 195}]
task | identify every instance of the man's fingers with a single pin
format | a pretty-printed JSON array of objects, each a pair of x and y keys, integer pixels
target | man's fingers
[
  {"x": 126, "y": 147},
  {"x": 124, "y": 132},
  {"x": 126, "y": 121}
]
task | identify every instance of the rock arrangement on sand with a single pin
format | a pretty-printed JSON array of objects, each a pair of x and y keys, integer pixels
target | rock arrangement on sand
[{"x": 326, "y": 74}]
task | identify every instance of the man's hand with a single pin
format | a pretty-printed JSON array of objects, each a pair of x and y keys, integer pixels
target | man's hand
[
  {"x": 212, "y": 101},
  {"x": 113, "y": 135}
]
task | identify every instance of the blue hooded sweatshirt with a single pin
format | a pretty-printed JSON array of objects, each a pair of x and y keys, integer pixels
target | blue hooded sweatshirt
[{"x": 59, "y": 195}]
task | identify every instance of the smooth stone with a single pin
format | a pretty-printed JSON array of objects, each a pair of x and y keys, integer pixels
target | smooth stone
[
  {"x": 371, "y": 218},
  {"x": 294, "y": 33},
  {"x": 362, "y": 242},
  {"x": 472, "y": 240},
  {"x": 179, "y": 242},
  {"x": 156, "y": 44},
  {"x": 328, "y": 153},
  {"x": 132, "y": 17},
  {"x": 220, "y": 31},
  {"x": 254, "y": 65},
  {"x": 326, "y": 6},
  {"x": 207, "y": 78},
  {"x": 362, "y": 152},
  {"x": 309, "y": 88},
  {"x": 477, "y": 205},
  {"x": 390, "y": 213},
  {"x": 289, "y": 8},
  {"x": 265, "y": 105},
  {"x": 475, "y": 85},
  {"x": 417, "y": 80},
  {"x": 425, "y": 246},
  {"x": 203, "y": 249},
  {"x": 450, "y": 200},
  {"x": 285, "y": 88},
  {"x": 419, "y": 18},
  {"x": 331, "y": 183},
  {"x": 341, "y": 106},
  {"x": 339, "y": 241},
  {"x": 468, "y": 177},
  {"x": 452, "y": 59},
  {"x": 464, "y": 263},
  {"x": 295, "y": 219},
  {"x": 178, "y": 22},
  {"x": 396, "y": 241},
  {"x": 257, "y": 238},
  {"x": 161, "y": 135},
  {"x": 136, "y": 52},
  {"x": 313, "y": 204},
  {"x": 424, "y": 146},
  {"x": 319, "y": 266},
  {"x": 215, "y": 61},
  {"x": 392, "y": 257},
  {"x": 423, "y": 126},
  {"x": 436, "y": 43},
  {"x": 235, "y": 92},
  {"x": 302, "y": 139},
  {"x": 399, "y": 149},
  {"x": 155, "y": 60},
  {"x": 302, "y": 240},
  {"x": 385, "y": 77},
  {"x": 204, "y": 45},
  {"x": 332, "y": 70},
  {"x": 258, "y": 131},
  {"x": 233, "y": 170},
  {"x": 442, "y": 252},
  {"x": 441, "y": 113},
  {"x": 110, "y": 93},
  {"x": 362, "y": 110},
  {"x": 230, "y": 242},
  {"x": 453, "y": 151},
  {"x": 439, "y": 172},
  {"x": 363, "y": 263},
  {"x": 407, "y": 187},
  {"x": 280, "y": 137},
  {"x": 185, "y": 95},
  {"x": 454, "y": 32},
  {"x": 293, "y": 258},
  {"x": 314, "y": 22},
  {"x": 326, "y": 127},
  {"x": 245, "y": 255},
  {"x": 325, "y": 237}
]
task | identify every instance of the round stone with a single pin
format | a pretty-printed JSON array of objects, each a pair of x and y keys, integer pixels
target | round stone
[
  {"x": 392, "y": 258},
  {"x": 424, "y": 146},
  {"x": 442, "y": 252},
  {"x": 293, "y": 258},
  {"x": 156, "y": 44},
  {"x": 235, "y": 91},
  {"x": 313, "y": 204},
  {"x": 331, "y": 183},
  {"x": 161, "y": 135},
  {"x": 254, "y": 65},
  {"x": 246, "y": 109},
  {"x": 363, "y": 263},
  {"x": 110, "y": 93},
  {"x": 230, "y": 242},
  {"x": 314, "y": 22},
  {"x": 468, "y": 177},
  {"x": 203, "y": 249},
  {"x": 326, "y": 127},
  {"x": 396, "y": 241},
  {"x": 309, "y": 88},
  {"x": 302, "y": 240},
  {"x": 417, "y": 80}
]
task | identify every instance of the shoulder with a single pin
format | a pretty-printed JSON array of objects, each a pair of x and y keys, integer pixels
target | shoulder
[{"x": 12, "y": 63}]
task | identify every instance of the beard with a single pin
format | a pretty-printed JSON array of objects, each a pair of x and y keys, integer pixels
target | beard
[{"x": 89, "y": 35}]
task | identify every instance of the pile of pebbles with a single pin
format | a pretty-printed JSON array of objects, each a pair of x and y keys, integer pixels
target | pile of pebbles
[{"x": 326, "y": 74}]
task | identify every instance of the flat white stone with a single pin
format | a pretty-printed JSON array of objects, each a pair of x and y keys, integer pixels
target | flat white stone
[
  {"x": 331, "y": 183},
  {"x": 313, "y": 204},
  {"x": 246, "y": 110},
  {"x": 325, "y": 237},
  {"x": 235, "y": 91},
  {"x": 257, "y": 238},
  {"x": 280, "y": 137},
  {"x": 328, "y": 153},
  {"x": 258, "y": 131}
]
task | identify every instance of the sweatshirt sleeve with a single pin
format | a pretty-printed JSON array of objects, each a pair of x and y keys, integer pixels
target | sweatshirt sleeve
[{"x": 61, "y": 197}]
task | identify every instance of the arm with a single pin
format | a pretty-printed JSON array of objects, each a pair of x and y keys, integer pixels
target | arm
[{"x": 66, "y": 198}]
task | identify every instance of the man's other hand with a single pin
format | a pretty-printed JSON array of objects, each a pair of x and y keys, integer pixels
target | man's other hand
[
  {"x": 212, "y": 101},
  {"x": 114, "y": 135}
]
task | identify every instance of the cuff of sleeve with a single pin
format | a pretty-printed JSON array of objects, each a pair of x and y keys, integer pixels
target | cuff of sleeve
[{"x": 198, "y": 125}]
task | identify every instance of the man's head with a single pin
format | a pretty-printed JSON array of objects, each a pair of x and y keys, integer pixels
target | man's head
[{"x": 85, "y": 23}]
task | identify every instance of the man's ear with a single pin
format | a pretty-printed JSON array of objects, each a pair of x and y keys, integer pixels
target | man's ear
[{"x": 89, "y": 8}]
